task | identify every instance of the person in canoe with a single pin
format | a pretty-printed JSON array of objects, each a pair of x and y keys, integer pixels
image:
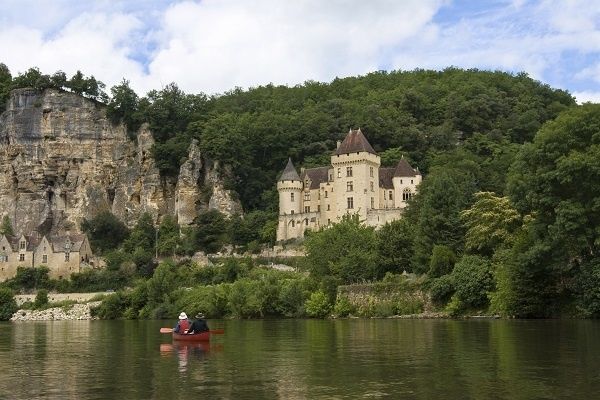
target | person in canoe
[
  {"x": 183, "y": 325},
  {"x": 199, "y": 325}
]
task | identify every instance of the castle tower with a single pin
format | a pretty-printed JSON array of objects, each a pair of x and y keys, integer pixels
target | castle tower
[
  {"x": 406, "y": 180},
  {"x": 289, "y": 187},
  {"x": 355, "y": 175}
]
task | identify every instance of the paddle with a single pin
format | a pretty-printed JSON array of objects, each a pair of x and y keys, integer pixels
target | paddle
[{"x": 212, "y": 331}]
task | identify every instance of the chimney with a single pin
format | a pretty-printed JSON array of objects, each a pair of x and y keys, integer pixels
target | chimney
[{"x": 339, "y": 143}]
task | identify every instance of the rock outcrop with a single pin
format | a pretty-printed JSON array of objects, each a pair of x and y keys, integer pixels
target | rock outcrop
[{"x": 61, "y": 160}]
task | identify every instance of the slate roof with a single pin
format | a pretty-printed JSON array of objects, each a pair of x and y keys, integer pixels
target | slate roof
[
  {"x": 354, "y": 142},
  {"x": 316, "y": 175},
  {"x": 385, "y": 178},
  {"x": 404, "y": 169},
  {"x": 32, "y": 242},
  {"x": 58, "y": 242},
  {"x": 289, "y": 173}
]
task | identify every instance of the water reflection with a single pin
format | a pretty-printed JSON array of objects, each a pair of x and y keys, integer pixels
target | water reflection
[{"x": 198, "y": 351}]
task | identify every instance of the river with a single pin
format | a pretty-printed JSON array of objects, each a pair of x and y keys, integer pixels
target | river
[{"x": 303, "y": 359}]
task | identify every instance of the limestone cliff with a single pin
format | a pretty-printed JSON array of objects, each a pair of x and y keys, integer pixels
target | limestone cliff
[{"x": 61, "y": 160}]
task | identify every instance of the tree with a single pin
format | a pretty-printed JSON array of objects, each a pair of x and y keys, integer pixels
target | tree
[
  {"x": 5, "y": 85},
  {"x": 472, "y": 278},
  {"x": 8, "y": 305},
  {"x": 124, "y": 107},
  {"x": 168, "y": 236},
  {"x": 6, "y": 227},
  {"x": 211, "y": 232},
  {"x": 347, "y": 250},
  {"x": 105, "y": 231},
  {"x": 395, "y": 246},
  {"x": 442, "y": 261},
  {"x": 142, "y": 236},
  {"x": 491, "y": 223}
]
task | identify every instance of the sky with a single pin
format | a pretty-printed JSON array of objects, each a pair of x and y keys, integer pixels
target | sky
[{"x": 213, "y": 46}]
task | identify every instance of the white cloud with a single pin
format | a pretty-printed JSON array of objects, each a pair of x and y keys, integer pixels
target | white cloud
[{"x": 587, "y": 96}]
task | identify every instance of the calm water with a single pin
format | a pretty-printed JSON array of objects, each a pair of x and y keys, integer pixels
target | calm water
[{"x": 303, "y": 359}]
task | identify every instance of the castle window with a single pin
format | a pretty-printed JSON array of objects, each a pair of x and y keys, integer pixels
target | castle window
[
  {"x": 372, "y": 187},
  {"x": 371, "y": 172},
  {"x": 339, "y": 172},
  {"x": 349, "y": 171},
  {"x": 391, "y": 196},
  {"x": 67, "y": 256},
  {"x": 22, "y": 244},
  {"x": 3, "y": 258},
  {"x": 330, "y": 177},
  {"x": 307, "y": 196},
  {"x": 293, "y": 223},
  {"x": 21, "y": 257},
  {"x": 384, "y": 195},
  {"x": 350, "y": 203},
  {"x": 411, "y": 182},
  {"x": 328, "y": 207},
  {"x": 306, "y": 209},
  {"x": 45, "y": 259},
  {"x": 292, "y": 196},
  {"x": 328, "y": 221},
  {"x": 406, "y": 194},
  {"x": 326, "y": 194},
  {"x": 401, "y": 181},
  {"x": 306, "y": 221},
  {"x": 318, "y": 208},
  {"x": 319, "y": 195},
  {"x": 372, "y": 202},
  {"x": 292, "y": 212},
  {"x": 349, "y": 186}
]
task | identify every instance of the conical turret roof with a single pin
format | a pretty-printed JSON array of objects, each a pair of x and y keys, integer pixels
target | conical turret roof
[
  {"x": 403, "y": 168},
  {"x": 289, "y": 173},
  {"x": 355, "y": 142}
]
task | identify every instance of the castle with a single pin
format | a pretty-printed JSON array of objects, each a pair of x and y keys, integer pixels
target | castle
[
  {"x": 63, "y": 255},
  {"x": 353, "y": 184}
]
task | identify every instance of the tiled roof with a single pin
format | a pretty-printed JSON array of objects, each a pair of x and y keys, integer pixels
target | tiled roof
[
  {"x": 355, "y": 142},
  {"x": 289, "y": 173},
  {"x": 385, "y": 178},
  {"x": 316, "y": 175},
  {"x": 404, "y": 169},
  {"x": 59, "y": 242}
]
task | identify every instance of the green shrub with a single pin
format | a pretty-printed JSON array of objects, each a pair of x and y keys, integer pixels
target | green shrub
[
  {"x": 292, "y": 297},
  {"x": 8, "y": 305},
  {"x": 318, "y": 305},
  {"x": 441, "y": 289},
  {"x": 442, "y": 261},
  {"x": 41, "y": 299},
  {"x": 473, "y": 280},
  {"x": 343, "y": 307},
  {"x": 112, "y": 307}
]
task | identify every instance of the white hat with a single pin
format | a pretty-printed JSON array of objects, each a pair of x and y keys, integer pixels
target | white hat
[{"x": 183, "y": 316}]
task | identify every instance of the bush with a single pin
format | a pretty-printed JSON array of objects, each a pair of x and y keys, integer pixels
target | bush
[
  {"x": 473, "y": 280},
  {"x": 588, "y": 288},
  {"x": 41, "y": 299},
  {"x": 318, "y": 305},
  {"x": 112, "y": 307},
  {"x": 442, "y": 261},
  {"x": 8, "y": 305},
  {"x": 441, "y": 289},
  {"x": 343, "y": 307}
]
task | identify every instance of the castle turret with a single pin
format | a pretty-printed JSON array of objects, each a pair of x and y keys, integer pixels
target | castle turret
[
  {"x": 406, "y": 180},
  {"x": 289, "y": 187},
  {"x": 356, "y": 175}
]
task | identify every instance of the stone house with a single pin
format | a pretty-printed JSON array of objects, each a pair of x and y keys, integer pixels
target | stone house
[
  {"x": 355, "y": 183},
  {"x": 63, "y": 255}
]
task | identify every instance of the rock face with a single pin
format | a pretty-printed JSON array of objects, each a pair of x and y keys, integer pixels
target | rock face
[{"x": 61, "y": 160}]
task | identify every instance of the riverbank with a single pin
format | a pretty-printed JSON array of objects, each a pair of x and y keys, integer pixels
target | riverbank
[{"x": 79, "y": 311}]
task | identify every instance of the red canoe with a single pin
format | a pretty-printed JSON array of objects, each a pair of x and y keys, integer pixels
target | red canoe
[{"x": 196, "y": 337}]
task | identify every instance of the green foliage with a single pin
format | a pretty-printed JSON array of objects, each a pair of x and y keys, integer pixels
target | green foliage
[
  {"x": 442, "y": 261},
  {"x": 346, "y": 250},
  {"x": 31, "y": 278},
  {"x": 142, "y": 236},
  {"x": 6, "y": 227},
  {"x": 123, "y": 107},
  {"x": 441, "y": 289},
  {"x": 395, "y": 246},
  {"x": 5, "y": 85},
  {"x": 168, "y": 236},
  {"x": 8, "y": 305},
  {"x": 343, "y": 307},
  {"x": 318, "y": 305},
  {"x": 211, "y": 232},
  {"x": 491, "y": 223},
  {"x": 105, "y": 232},
  {"x": 588, "y": 289},
  {"x": 112, "y": 307},
  {"x": 41, "y": 299},
  {"x": 473, "y": 280}
]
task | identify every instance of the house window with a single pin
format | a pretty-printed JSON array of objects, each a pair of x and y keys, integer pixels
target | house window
[
  {"x": 371, "y": 172},
  {"x": 22, "y": 245},
  {"x": 67, "y": 255},
  {"x": 306, "y": 221},
  {"x": 339, "y": 172},
  {"x": 391, "y": 196},
  {"x": 306, "y": 209},
  {"x": 372, "y": 187},
  {"x": 349, "y": 171},
  {"x": 3, "y": 258},
  {"x": 350, "y": 203},
  {"x": 406, "y": 194},
  {"x": 384, "y": 195},
  {"x": 21, "y": 257},
  {"x": 292, "y": 197},
  {"x": 349, "y": 186},
  {"x": 372, "y": 202},
  {"x": 45, "y": 259},
  {"x": 319, "y": 195},
  {"x": 328, "y": 207}
]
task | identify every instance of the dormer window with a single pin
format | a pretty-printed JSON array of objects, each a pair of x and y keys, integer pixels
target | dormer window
[{"x": 22, "y": 244}]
